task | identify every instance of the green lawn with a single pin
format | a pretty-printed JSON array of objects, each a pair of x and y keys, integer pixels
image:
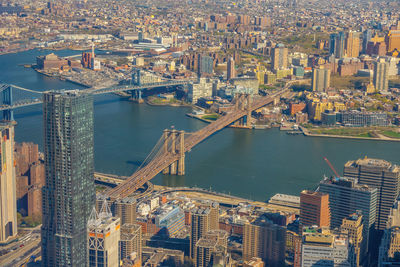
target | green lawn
[
  {"x": 211, "y": 117},
  {"x": 391, "y": 134}
]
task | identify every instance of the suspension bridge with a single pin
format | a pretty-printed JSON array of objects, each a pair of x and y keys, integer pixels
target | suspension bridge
[{"x": 168, "y": 155}]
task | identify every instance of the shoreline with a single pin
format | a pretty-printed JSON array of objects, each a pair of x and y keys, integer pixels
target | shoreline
[{"x": 307, "y": 133}]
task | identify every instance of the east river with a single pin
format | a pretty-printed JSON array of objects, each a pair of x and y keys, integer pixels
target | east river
[{"x": 253, "y": 164}]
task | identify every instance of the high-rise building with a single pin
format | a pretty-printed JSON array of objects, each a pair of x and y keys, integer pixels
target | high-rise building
[
  {"x": 231, "y": 73},
  {"x": 131, "y": 241},
  {"x": 320, "y": 247},
  {"x": 205, "y": 65},
  {"x": 353, "y": 44},
  {"x": 212, "y": 244},
  {"x": 381, "y": 75},
  {"x": 103, "y": 238},
  {"x": 353, "y": 227},
  {"x": 200, "y": 225},
  {"x": 279, "y": 57},
  {"x": 390, "y": 243},
  {"x": 382, "y": 175},
  {"x": 8, "y": 198},
  {"x": 69, "y": 192},
  {"x": 367, "y": 35},
  {"x": 214, "y": 216},
  {"x": 321, "y": 79},
  {"x": 332, "y": 44},
  {"x": 340, "y": 45},
  {"x": 393, "y": 40},
  {"x": 314, "y": 209},
  {"x": 346, "y": 197},
  {"x": 126, "y": 210},
  {"x": 265, "y": 240}
]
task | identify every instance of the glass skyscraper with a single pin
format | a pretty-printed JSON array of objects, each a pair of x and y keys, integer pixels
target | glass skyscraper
[{"x": 69, "y": 192}]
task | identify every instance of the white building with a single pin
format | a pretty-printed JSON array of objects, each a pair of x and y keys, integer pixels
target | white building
[
  {"x": 203, "y": 88},
  {"x": 103, "y": 238}
]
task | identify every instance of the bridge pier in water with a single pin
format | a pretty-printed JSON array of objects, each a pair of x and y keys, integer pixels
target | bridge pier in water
[
  {"x": 136, "y": 96},
  {"x": 174, "y": 142}
]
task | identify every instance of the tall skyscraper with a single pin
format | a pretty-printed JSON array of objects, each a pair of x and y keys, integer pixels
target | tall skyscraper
[
  {"x": 214, "y": 216},
  {"x": 231, "y": 69},
  {"x": 367, "y": 35},
  {"x": 8, "y": 199},
  {"x": 103, "y": 237},
  {"x": 340, "y": 45},
  {"x": 279, "y": 57},
  {"x": 200, "y": 225},
  {"x": 346, "y": 197},
  {"x": 353, "y": 227},
  {"x": 381, "y": 75},
  {"x": 332, "y": 44},
  {"x": 69, "y": 192},
  {"x": 264, "y": 240},
  {"x": 382, "y": 175},
  {"x": 314, "y": 209},
  {"x": 321, "y": 79},
  {"x": 353, "y": 44},
  {"x": 393, "y": 40},
  {"x": 390, "y": 243}
]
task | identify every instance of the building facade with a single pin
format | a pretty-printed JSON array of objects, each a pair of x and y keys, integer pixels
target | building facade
[
  {"x": 8, "y": 199},
  {"x": 69, "y": 191},
  {"x": 314, "y": 209},
  {"x": 381, "y": 75},
  {"x": 321, "y": 79}
]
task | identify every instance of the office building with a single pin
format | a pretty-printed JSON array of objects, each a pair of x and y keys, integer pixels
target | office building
[
  {"x": 353, "y": 44},
  {"x": 214, "y": 216},
  {"x": 103, "y": 238},
  {"x": 200, "y": 225},
  {"x": 205, "y": 65},
  {"x": 367, "y": 35},
  {"x": 390, "y": 243},
  {"x": 8, "y": 199},
  {"x": 279, "y": 57},
  {"x": 314, "y": 209},
  {"x": 320, "y": 247},
  {"x": 171, "y": 220},
  {"x": 358, "y": 118},
  {"x": 393, "y": 40},
  {"x": 231, "y": 72},
  {"x": 203, "y": 88},
  {"x": 130, "y": 241},
  {"x": 126, "y": 210},
  {"x": 346, "y": 197},
  {"x": 69, "y": 191},
  {"x": 208, "y": 249},
  {"x": 332, "y": 43},
  {"x": 353, "y": 227},
  {"x": 340, "y": 45},
  {"x": 321, "y": 79},
  {"x": 381, "y": 75},
  {"x": 380, "y": 174},
  {"x": 265, "y": 240}
]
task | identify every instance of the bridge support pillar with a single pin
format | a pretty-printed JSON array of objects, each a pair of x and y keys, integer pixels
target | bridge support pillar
[
  {"x": 181, "y": 149},
  {"x": 136, "y": 96},
  {"x": 165, "y": 148},
  {"x": 174, "y": 166},
  {"x": 8, "y": 114},
  {"x": 248, "y": 108}
]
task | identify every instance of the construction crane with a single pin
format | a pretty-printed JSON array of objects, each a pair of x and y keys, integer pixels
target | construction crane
[{"x": 332, "y": 168}]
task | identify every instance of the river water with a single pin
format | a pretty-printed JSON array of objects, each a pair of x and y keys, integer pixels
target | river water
[{"x": 254, "y": 164}]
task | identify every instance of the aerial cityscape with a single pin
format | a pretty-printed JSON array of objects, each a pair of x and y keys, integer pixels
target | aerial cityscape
[{"x": 204, "y": 133}]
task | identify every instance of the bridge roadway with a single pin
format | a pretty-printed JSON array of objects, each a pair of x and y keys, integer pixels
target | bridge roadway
[{"x": 164, "y": 160}]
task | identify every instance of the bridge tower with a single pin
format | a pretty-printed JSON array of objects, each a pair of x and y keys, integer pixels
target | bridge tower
[
  {"x": 7, "y": 99},
  {"x": 243, "y": 102},
  {"x": 174, "y": 143}
]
